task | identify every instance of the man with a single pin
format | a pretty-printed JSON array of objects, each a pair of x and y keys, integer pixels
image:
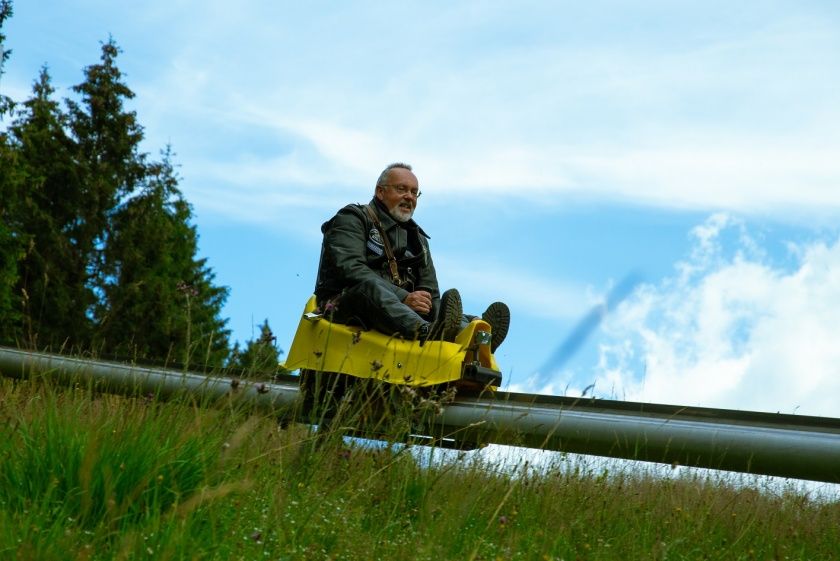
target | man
[{"x": 376, "y": 269}]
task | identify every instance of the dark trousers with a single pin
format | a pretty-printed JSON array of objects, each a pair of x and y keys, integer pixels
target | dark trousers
[{"x": 375, "y": 305}]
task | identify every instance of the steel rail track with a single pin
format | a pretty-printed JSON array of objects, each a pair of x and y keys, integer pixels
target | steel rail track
[{"x": 796, "y": 446}]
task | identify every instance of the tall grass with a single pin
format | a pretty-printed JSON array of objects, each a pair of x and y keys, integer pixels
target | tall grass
[{"x": 89, "y": 476}]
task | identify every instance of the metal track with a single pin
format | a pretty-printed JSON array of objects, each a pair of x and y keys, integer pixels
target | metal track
[{"x": 796, "y": 446}]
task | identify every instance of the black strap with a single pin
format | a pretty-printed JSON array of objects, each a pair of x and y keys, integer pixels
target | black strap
[{"x": 389, "y": 253}]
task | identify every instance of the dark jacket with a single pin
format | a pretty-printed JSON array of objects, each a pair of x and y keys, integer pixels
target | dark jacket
[{"x": 352, "y": 251}]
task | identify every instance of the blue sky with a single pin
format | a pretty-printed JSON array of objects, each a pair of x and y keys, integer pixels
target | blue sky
[{"x": 559, "y": 146}]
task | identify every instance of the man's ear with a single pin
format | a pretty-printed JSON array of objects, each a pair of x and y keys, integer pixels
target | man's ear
[{"x": 378, "y": 192}]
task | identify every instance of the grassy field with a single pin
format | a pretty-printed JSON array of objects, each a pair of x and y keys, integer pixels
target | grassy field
[{"x": 89, "y": 476}]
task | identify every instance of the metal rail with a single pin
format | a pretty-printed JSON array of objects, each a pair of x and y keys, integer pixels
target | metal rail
[
  {"x": 796, "y": 446},
  {"x": 129, "y": 379}
]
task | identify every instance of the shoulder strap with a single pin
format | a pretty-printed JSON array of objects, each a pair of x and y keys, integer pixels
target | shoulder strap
[{"x": 389, "y": 253}]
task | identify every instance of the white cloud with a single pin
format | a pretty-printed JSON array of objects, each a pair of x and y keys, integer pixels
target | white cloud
[
  {"x": 734, "y": 332},
  {"x": 699, "y": 117}
]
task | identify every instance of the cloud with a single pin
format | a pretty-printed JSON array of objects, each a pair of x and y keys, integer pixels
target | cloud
[
  {"x": 699, "y": 117},
  {"x": 681, "y": 110},
  {"x": 731, "y": 329}
]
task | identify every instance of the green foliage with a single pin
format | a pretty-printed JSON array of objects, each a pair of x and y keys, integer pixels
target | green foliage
[
  {"x": 109, "y": 160},
  {"x": 261, "y": 356},
  {"x": 10, "y": 245},
  {"x": 97, "y": 249},
  {"x": 10, "y": 248},
  {"x": 159, "y": 300},
  {"x": 95, "y": 477},
  {"x": 52, "y": 288},
  {"x": 6, "y": 11}
]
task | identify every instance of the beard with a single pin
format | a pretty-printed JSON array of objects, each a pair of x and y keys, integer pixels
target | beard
[{"x": 402, "y": 211}]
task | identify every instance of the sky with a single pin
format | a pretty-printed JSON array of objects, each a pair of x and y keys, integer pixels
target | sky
[{"x": 679, "y": 156}]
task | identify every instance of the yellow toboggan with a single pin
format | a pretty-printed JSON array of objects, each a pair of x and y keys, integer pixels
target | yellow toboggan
[{"x": 323, "y": 346}]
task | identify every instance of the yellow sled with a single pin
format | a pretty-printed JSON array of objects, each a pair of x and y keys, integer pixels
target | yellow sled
[{"x": 323, "y": 346}]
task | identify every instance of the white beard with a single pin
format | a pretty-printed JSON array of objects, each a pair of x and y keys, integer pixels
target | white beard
[{"x": 401, "y": 213}]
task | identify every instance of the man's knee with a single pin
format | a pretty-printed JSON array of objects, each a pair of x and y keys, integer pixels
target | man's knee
[{"x": 378, "y": 305}]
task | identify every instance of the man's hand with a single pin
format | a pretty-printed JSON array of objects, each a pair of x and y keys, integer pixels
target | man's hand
[{"x": 420, "y": 301}]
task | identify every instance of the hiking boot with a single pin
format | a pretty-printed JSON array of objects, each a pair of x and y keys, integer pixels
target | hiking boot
[
  {"x": 497, "y": 315},
  {"x": 450, "y": 314},
  {"x": 448, "y": 323}
]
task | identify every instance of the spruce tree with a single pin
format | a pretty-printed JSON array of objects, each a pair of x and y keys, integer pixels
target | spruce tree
[
  {"x": 109, "y": 161},
  {"x": 96, "y": 244},
  {"x": 6, "y": 12},
  {"x": 10, "y": 246},
  {"x": 159, "y": 299},
  {"x": 261, "y": 357},
  {"x": 53, "y": 285}
]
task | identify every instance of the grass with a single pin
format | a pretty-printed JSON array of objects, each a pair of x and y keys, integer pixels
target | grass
[{"x": 90, "y": 476}]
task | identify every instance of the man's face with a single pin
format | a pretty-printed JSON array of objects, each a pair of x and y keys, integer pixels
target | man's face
[{"x": 400, "y": 205}]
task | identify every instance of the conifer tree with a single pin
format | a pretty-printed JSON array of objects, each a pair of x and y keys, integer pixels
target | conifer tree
[
  {"x": 96, "y": 244},
  {"x": 261, "y": 357},
  {"x": 110, "y": 164},
  {"x": 52, "y": 287},
  {"x": 6, "y": 12},
  {"x": 10, "y": 247},
  {"x": 159, "y": 299},
  {"x": 9, "y": 242}
]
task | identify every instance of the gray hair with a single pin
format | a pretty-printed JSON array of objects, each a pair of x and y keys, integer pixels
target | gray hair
[{"x": 383, "y": 177}]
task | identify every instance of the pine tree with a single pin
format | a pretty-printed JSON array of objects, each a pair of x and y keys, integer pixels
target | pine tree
[{"x": 159, "y": 300}]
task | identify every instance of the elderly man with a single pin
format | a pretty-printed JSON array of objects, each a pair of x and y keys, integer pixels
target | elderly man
[{"x": 376, "y": 269}]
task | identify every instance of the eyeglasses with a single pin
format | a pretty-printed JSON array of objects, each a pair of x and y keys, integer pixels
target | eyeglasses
[{"x": 404, "y": 190}]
